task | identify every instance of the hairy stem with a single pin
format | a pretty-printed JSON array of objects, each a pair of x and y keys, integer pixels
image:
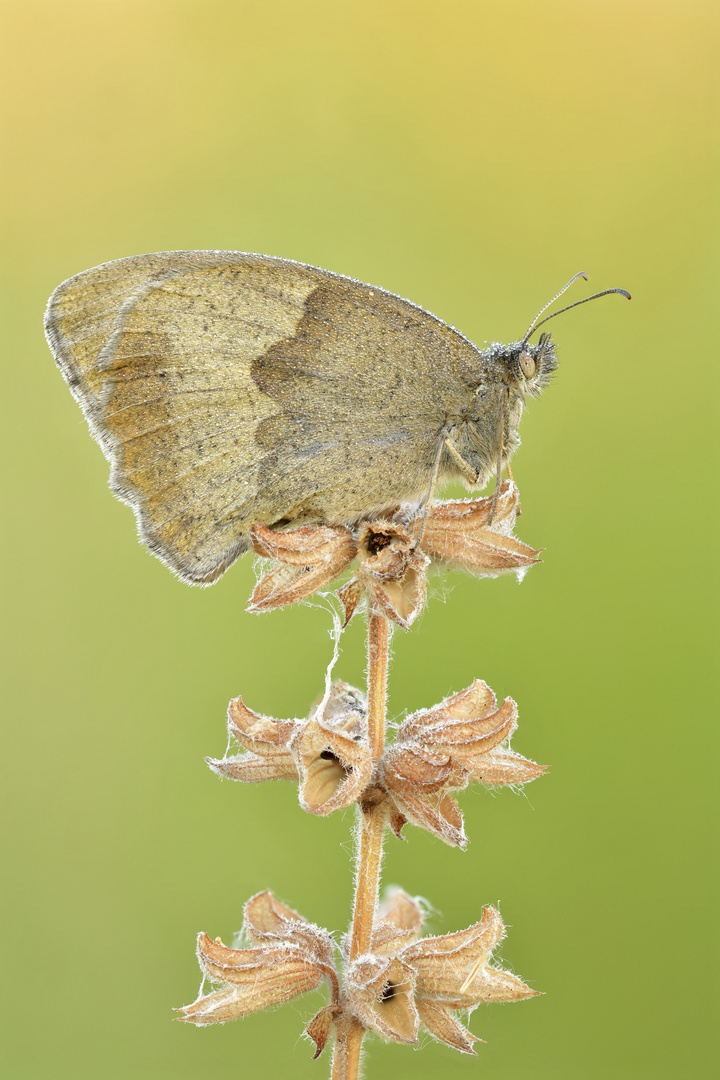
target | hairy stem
[
  {"x": 346, "y": 1052},
  {"x": 377, "y": 649},
  {"x": 348, "y": 1040}
]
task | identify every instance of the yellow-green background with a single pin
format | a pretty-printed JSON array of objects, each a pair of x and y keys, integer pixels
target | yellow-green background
[{"x": 472, "y": 156}]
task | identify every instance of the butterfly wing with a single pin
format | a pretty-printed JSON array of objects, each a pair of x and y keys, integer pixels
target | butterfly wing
[{"x": 227, "y": 389}]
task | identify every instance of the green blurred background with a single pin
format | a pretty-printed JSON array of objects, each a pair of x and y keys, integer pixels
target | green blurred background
[{"x": 470, "y": 156}]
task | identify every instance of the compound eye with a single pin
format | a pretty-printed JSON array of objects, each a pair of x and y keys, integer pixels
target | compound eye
[{"x": 527, "y": 364}]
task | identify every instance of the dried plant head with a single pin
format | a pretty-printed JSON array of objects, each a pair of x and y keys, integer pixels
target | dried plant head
[
  {"x": 408, "y": 981},
  {"x": 465, "y": 739},
  {"x": 472, "y": 535}
]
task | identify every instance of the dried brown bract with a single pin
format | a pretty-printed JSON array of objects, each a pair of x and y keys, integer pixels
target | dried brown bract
[
  {"x": 266, "y": 742},
  {"x": 320, "y": 1027},
  {"x": 308, "y": 558},
  {"x": 288, "y": 956},
  {"x": 441, "y": 750},
  {"x": 466, "y": 535},
  {"x": 328, "y": 753}
]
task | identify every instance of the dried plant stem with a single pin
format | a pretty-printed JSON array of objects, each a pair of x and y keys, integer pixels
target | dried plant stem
[
  {"x": 346, "y": 1054},
  {"x": 377, "y": 647},
  {"x": 349, "y": 1036},
  {"x": 369, "y": 858}
]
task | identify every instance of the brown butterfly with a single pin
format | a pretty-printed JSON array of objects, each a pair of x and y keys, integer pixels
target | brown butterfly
[{"x": 227, "y": 389}]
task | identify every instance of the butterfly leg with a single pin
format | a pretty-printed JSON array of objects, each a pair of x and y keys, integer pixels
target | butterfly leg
[
  {"x": 501, "y": 430},
  {"x": 467, "y": 471}
]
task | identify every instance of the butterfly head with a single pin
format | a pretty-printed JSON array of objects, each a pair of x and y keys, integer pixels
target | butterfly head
[{"x": 523, "y": 368}]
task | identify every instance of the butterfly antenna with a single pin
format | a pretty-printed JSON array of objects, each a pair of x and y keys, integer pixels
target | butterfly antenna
[{"x": 535, "y": 324}]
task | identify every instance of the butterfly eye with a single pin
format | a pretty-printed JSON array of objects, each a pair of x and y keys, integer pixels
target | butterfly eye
[{"x": 527, "y": 364}]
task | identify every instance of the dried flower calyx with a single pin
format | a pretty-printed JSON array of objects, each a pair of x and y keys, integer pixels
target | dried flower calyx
[
  {"x": 328, "y": 753},
  {"x": 391, "y": 572},
  {"x": 441, "y": 750},
  {"x": 287, "y": 956},
  {"x": 392, "y": 568},
  {"x": 406, "y": 981}
]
